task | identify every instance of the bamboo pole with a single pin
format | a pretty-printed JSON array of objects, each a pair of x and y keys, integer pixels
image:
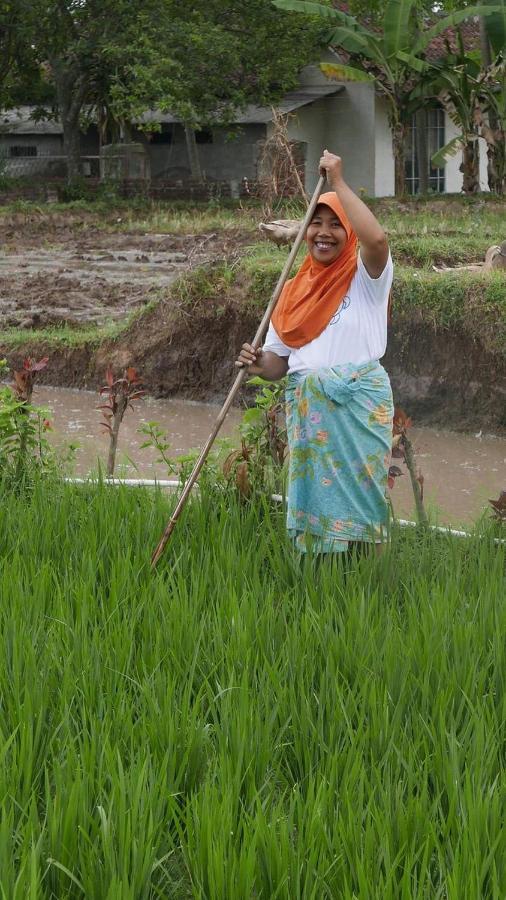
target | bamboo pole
[{"x": 242, "y": 373}]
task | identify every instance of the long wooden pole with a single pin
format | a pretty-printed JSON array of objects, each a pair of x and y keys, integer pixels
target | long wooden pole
[{"x": 242, "y": 374}]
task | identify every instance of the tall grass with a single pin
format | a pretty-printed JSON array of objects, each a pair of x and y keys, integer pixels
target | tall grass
[{"x": 240, "y": 724}]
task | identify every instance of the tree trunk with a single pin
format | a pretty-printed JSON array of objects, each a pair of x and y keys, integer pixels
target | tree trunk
[
  {"x": 71, "y": 146},
  {"x": 470, "y": 167},
  {"x": 70, "y": 94},
  {"x": 415, "y": 484},
  {"x": 486, "y": 55},
  {"x": 121, "y": 405},
  {"x": 496, "y": 166},
  {"x": 398, "y": 145},
  {"x": 193, "y": 153},
  {"x": 421, "y": 151}
]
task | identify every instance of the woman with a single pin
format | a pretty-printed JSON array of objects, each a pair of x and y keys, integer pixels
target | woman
[{"x": 328, "y": 332}]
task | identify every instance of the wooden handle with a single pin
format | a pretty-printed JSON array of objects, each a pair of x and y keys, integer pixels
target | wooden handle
[{"x": 257, "y": 340}]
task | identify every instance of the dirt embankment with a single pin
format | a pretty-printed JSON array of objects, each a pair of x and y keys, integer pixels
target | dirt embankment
[
  {"x": 440, "y": 378},
  {"x": 84, "y": 277}
]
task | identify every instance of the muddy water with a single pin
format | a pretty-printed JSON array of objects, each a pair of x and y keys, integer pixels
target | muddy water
[
  {"x": 461, "y": 471},
  {"x": 75, "y": 419}
]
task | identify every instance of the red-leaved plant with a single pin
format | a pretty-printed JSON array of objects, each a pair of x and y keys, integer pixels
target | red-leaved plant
[
  {"x": 24, "y": 379},
  {"x": 499, "y": 507},
  {"x": 402, "y": 449},
  {"x": 120, "y": 393}
]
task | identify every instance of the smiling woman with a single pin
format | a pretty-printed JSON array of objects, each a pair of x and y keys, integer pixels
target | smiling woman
[
  {"x": 325, "y": 236},
  {"x": 328, "y": 332}
]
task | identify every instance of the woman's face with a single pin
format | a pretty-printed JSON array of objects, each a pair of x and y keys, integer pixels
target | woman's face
[{"x": 325, "y": 236}]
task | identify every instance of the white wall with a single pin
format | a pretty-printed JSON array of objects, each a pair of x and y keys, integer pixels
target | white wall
[
  {"x": 350, "y": 133},
  {"x": 344, "y": 124},
  {"x": 308, "y": 124},
  {"x": 384, "y": 180},
  {"x": 453, "y": 180}
]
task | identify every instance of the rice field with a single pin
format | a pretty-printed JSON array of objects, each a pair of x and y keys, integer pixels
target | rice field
[{"x": 240, "y": 724}]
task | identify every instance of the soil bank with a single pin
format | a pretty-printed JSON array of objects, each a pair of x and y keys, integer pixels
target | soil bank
[
  {"x": 446, "y": 363},
  {"x": 439, "y": 377}
]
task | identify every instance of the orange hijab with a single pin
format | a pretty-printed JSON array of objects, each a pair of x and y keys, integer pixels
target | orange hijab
[{"x": 309, "y": 300}]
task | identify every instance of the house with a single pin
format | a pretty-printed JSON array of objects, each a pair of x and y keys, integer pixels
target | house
[
  {"x": 349, "y": 119},
  {"x": 31, "y": 146},
  {"x": 354, "y": 123}
]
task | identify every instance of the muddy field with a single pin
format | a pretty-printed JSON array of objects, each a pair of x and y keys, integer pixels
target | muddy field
[{"x": 72, "y": 273}]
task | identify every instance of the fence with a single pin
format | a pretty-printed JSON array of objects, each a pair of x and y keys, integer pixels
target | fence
[
  {"x": 32, "y": 174},
  {"x": 29, "y": 162}
]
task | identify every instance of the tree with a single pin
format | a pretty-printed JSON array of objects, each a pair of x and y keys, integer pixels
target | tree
[
  {"x": 393, "y": 59},
  {"x": 202, "y": 61},
  {"x": 78, "y": 39},
  {"x": 224, "y": 55},
  {"x": 493, "y": 43},
  {"x": 457, "y": 86}
]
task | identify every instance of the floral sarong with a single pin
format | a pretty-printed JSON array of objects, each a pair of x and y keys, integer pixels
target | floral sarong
[{"x": 339, "y": 425}]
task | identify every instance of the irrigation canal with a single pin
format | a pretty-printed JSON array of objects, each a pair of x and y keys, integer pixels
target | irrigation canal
[{"x": 461, "y": 471}]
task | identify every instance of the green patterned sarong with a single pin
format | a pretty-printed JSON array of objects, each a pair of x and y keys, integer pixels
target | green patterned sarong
[{"x": 339, "y": 425}]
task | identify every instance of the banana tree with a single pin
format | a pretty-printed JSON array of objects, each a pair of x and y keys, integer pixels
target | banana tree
[
  {"x": 493, "y": 105},
  {"x": 457, "y": 87},
  {"x": 475, "y": 99},
  {"x": 394, "y": 60},
  {"x": 494, "y": 96}
]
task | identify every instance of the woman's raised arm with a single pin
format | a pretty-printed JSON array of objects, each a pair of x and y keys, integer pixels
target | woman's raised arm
[{"x": 373, "y": 242}]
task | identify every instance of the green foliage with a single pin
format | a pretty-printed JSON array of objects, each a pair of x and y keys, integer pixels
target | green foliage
[
  {"x": 19, "y": 69},
  {"x": 211, "y": 476},
  {"x": 220, "y": 59},
  {"x": 156, "y": 438},
  {"x": 240, "y": 723},
  {"x": 117, "y": 58},
  {"x": 24, "y": 449},
  {"x": 258, "y": 467}
]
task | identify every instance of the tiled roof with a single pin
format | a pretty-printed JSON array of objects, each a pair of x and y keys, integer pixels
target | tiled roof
[
  {"x": 470, "y": 30},
  {"x": 19, "y": 121}
]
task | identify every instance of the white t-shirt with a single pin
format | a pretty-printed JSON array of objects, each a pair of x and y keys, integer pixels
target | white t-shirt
[{"x": 356, "y": 333}]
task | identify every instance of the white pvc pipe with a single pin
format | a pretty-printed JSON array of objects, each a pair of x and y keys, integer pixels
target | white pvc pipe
[
  {"x": 278, "y": 498},
  {"x": 130, "y": 482}
]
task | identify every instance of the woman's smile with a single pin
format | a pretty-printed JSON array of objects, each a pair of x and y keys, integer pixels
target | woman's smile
[{"x": 325, "y": 236}]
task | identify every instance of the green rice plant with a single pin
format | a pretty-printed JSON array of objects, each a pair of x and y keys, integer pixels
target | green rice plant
[{"x": 242, "y": 723}]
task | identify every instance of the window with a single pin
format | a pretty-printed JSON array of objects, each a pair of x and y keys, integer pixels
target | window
[
  {"x": 162, "y": 137},
  {"x": 23, "y": 151},
  {"x": 204, "y": 137},
  {"x": 435, "y": 140}
]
